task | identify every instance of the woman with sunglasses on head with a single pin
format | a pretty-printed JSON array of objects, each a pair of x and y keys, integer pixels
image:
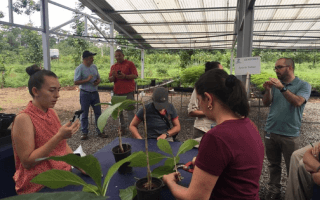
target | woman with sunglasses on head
[
  {"x": 229, "y": 162},
  {"x": 37, "y": 132}
]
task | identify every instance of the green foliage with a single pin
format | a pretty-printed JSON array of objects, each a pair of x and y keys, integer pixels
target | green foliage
[
  {"x": 59, "y": 178},
  {"x": 57, "y": 195},
  {"x": 190, "y": 75},
  {"x": 154, "y": 158},
  {"x": 185, "y": 58},
  {"x": 117, "y": 104}
]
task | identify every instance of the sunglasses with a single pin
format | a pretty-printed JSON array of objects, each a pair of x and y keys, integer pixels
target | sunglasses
[{"x": 278, "y": 67}]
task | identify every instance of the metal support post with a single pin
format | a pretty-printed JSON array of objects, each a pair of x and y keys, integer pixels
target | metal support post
[
  {"x": 45, "y": 34},
  {"x": 10, "y": 11},
  {"x": 85, "y": 25},
  {"x": 231, "y": 61},
  {"x": 111, "y": 44},
  {"x": 142, "y": 63}
]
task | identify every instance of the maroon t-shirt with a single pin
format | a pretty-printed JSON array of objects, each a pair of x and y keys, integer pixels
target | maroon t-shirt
[{"x": 233, "y": 150}]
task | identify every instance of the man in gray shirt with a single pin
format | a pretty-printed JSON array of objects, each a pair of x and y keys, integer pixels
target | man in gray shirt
[
  {"x": 288, "y": 96},
  {"x": 87, "y": 76}
]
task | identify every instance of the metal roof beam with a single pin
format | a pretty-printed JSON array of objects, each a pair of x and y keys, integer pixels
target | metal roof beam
[
  {"x": 188, "y": 42},
  {"x": 293, "y": 41},
  {"x": 217, "y": 22},
  {"x": 115, "y": 24},
  {"x": 250, "y": 6}
]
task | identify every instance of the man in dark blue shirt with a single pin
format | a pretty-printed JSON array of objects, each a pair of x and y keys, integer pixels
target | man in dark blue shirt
[{"x": 159, "y": 113}]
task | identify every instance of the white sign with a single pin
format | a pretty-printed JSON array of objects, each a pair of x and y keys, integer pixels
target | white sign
[{"x": 247, "y": 64}]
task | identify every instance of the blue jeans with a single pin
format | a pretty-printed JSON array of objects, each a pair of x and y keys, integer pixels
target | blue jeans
[{"x": 87, "y": 99}]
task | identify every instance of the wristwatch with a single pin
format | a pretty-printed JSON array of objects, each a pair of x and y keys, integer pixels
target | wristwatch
[
  {"x": 283, "y": 89},
  {"x": 167, "y": 134}
]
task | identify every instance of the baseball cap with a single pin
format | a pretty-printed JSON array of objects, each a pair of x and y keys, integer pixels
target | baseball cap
[
  {"x": 87, "y": 54},
  {"x": 160, "y": 98}
]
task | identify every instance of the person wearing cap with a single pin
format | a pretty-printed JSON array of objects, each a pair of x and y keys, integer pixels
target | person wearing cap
[
  {"x": 123, "y": 74},
  {"x": 158, "y": 114},
  {"x": 87, "y": 76}
]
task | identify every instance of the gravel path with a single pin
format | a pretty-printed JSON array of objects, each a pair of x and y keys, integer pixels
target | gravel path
[{"x": 309, "y": 131}]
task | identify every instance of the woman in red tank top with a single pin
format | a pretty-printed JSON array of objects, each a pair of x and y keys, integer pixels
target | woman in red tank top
[{"x": 37, "y": 132}]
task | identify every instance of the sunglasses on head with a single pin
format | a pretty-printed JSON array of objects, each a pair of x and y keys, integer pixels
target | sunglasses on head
[{"x": 279, "y": 67}]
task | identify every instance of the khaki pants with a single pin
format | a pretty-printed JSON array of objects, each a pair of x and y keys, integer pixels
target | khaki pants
[
  {"x": 299, "y": 183},
  {"x": 129, "y": 95},
  {"x": 276, "y": 145}
]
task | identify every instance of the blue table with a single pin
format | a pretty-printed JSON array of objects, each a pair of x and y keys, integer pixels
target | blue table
[{"x": 119, "y": 181}]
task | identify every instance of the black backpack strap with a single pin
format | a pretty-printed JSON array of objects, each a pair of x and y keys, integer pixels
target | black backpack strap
[{"x": 163, "y": 117}]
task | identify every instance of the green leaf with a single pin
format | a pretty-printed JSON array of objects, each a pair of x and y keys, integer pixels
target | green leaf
[
  {"x": 102, "y": 120},
  {"x": 88, "y": 163},
  {"x": 110, "y": 104},
  {"x": 170, "y": 162},
  {"x": 186, "y": 146},
  {"x": 118, "y": 99},
  {"x": 129, "y": 193},
  {"x": 125, "y": 105},
  {"x": 57, "y": 195},
  {"x": 113, "y": 169},
  {"x": 164, "y": 146},
  {"x": 90, "y": 188},
  {"x": 141, "y": 160},
  {"x": 58, "y": 179},
  {"x": 162, "y": 170}
]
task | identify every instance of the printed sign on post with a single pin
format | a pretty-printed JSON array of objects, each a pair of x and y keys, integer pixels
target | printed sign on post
[{"x": 247, "y": 64}]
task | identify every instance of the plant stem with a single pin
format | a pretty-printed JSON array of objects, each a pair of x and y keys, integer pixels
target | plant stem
[
  {"x": 175, "y": 166},
  {"x": 146, "y": 145},
  {"x": 119, "y": 132}
]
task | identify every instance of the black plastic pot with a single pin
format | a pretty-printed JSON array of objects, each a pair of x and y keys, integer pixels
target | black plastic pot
[
  {"x": 153, "y": 82},
  {"x": 154, "y": 193},
  {"x": 118, "y": 155}
]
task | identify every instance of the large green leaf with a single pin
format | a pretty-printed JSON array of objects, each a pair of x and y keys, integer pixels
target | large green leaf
[
  {"x": 90, "y": 188},
  {"x": 102, "y": 120},
  {"x": 164, "y": 146},
  {"x": 57, "y": 179},
  {"x": 88, "y": 163},
  {"x": 113, "y": 169},
  {"x": 186, "y": 146},
  {"x": 141, "y": 160},
  {"x": 127, "y": 104},
  {"x": 118, "y": 99},
  {"x": 129, "y": 193},
  {"x": 170, "y": 162},
  {"x": 57, "y": 195},
  {"x": 162, "y": 170}
]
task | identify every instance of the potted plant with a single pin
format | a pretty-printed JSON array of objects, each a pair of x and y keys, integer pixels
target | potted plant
[
  {"x": 117, "y": 105},
  {"x": 168, "y": 167}
]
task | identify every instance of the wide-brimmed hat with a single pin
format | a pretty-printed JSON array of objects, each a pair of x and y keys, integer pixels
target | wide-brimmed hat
[
  {"x": 160, "y": 98},
  {"x": 87, "y": 54}
]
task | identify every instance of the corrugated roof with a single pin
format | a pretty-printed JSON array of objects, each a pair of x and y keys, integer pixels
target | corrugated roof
[{"x": 210, "y": 23}]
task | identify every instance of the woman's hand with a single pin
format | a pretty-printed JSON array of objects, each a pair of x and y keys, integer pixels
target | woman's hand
[
  {"x": 66, "y": 131},
  {"x": 173, "y": 177}
]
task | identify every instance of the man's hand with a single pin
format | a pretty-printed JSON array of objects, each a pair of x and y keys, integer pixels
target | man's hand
[
  {"x": 121, "y": 76},
  {"x": 277, "y": 83},
  {"x": 162, "y": 136},
  {"x": 315, "y": 151},
  {"x": 96, "y": 82},
  {"x": 89, "y": 78},
  {"x": 267, "y": 85}
]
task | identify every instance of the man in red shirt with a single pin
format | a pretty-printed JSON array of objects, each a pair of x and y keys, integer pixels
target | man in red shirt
[{"x": 123, "y": 74}]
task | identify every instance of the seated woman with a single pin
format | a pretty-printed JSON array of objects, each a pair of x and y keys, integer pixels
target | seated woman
[
  {"x": 158, "y": 114},
  {"x": 229, "y": 162},
  {"x": 37, "y": 132}
]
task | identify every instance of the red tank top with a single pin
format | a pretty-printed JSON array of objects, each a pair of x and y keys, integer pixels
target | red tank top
[{"x": 46, "y": 125}]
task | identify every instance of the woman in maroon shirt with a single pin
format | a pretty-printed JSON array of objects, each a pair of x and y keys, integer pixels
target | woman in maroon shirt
[{"x": 229, "y": 162}]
